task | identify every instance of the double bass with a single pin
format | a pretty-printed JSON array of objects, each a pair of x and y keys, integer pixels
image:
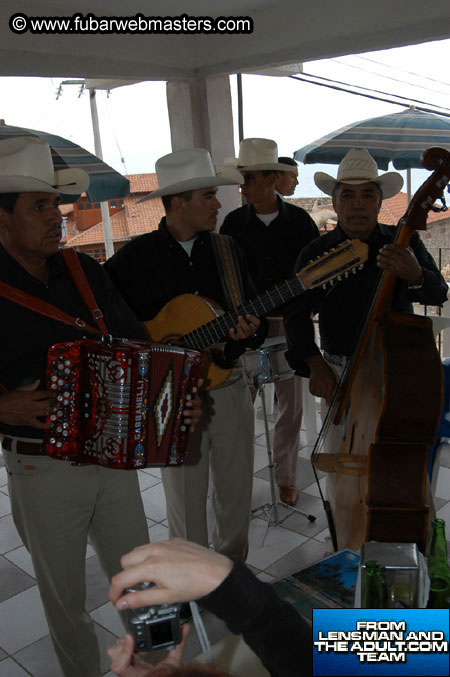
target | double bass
[{"x": 390, "y": 398}]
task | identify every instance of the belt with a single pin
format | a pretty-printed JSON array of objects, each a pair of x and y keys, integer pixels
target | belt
[{"x": 25, "y": 448}]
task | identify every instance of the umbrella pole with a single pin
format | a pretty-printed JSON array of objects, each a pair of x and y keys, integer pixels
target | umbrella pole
[
  {"x": 107, "y": 231},
  {"x": 408, "y": 184}
]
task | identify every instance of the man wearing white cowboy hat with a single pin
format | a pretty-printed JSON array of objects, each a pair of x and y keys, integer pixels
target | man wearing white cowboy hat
[
  {"x": 357, "y": 194},
  {"x": 154, "y": 269},
  {"x": 272, "y": 233},
  {"x": 55, "y": 504}
]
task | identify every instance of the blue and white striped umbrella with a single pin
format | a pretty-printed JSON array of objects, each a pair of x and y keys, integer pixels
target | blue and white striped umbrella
[
  {"x": 399, "y": 138},
  {"x": 105, "y": 183}
]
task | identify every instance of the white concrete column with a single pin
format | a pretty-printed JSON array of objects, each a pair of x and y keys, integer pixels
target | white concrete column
[{"x": 200, "y": 116}]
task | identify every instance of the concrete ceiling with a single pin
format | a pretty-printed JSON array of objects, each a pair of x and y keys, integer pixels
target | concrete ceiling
[{"x": 285, "y": 32}]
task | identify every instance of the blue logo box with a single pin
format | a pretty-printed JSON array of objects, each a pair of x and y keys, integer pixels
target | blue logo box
[{"x": 359, "y": 642}]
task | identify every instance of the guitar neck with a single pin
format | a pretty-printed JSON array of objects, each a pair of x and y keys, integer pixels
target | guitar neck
[{"x": 217, "y": 330}]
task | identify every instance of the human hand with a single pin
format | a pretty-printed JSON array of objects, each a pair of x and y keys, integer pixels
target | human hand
[
  {"x": 181, "y": 571},
  {"x": 246, "y": 327},
  {"x": 193, "y": 409},
  {"x": 322, "y": 381},
  {"x": 125, "y": 663},
  {"x": 400, "y": 261},
  {"x": 23, "y": 405}
]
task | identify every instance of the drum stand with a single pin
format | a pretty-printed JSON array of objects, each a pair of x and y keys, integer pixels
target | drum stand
[{"x": 270, "y": 509}]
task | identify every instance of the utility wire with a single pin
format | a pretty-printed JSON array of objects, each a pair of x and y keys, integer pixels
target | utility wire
[
  {"x": 328, "y": 84},
  {"x": 390, "y": 77},
  {"x": 122, "y": 159},
  {"x": 401, "y": 70},
  {"x": 377, "y": 91}
]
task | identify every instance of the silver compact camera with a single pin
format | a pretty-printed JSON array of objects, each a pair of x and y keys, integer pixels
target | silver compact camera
[{"x": 153, "y": 627}]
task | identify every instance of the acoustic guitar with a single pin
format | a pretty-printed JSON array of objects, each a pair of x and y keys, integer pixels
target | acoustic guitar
[{"x": 195, "y": 322}]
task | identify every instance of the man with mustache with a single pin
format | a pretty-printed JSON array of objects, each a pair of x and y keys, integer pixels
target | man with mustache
[
  {"x": 55, "y": 504},
  {"x": 179, "y": 258},
  {"x": 357, "y": 194}
]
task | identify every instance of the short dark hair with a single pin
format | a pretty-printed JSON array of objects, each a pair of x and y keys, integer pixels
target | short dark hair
[
  {"x": 167, "y": 199},
  {"x": 287, "y": 161},
  {"x": 8, "y": 201}
]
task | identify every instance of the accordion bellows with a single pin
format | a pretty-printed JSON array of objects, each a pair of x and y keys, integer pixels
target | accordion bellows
[{"x": 119, "y": 403}]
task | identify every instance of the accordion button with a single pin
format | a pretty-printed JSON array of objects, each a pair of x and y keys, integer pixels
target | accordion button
[
  {"x": 53, "y": 417},
  {"x": 67, "y": 363},
  {"x": 52, "y": 440},
  {"x": 59, "y": 444}
]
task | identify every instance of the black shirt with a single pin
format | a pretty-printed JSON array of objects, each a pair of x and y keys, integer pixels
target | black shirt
[
  {"x": 154, "y": 268},
  {"x": 26, "y": 336},
  {"x": 272, "y": 628},
  {"x": 271, "y": 251},
  {"x": 343, "y": 307}
]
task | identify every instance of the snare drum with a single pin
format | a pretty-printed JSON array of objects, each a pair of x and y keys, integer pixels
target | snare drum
[{"x": 267, "y": 364}]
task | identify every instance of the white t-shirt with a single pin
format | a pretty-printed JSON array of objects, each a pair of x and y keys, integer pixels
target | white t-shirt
[
  {"x": 268, "y": 218},
  {"x": 187, "y": 245}
]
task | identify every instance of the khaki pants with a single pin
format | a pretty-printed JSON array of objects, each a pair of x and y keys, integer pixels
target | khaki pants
[
  {"x": 222, "y": 445},
  {"x": 287, "y": 430},
  {"x": 55, "y": 506}
]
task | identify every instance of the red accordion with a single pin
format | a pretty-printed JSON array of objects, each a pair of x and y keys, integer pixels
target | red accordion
[{"x": 119, "y": 403}]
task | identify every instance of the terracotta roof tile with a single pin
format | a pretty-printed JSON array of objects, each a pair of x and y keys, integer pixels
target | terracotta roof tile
[
  {"x": 134, "y": 219},
  {"x": 394, "y": 207}
]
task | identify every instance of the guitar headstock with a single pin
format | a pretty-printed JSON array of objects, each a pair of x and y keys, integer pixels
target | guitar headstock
[{"x": 348, "y": 257}]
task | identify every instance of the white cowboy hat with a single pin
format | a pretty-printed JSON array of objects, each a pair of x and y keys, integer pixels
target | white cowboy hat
[
  {"x": 26, "y": 166},
  {"x": 190, "y": 169},
  {"x": 358, "y": 166},
  {"x": 258, "y": 155}
]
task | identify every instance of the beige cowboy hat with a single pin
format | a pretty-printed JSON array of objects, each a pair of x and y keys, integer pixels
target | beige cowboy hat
[
  {"x": 190, "y": 169},
  {"x": 26, "y": 166},
  {"x": 258, "y": 155},
  {"x": 358, "y": 166}
]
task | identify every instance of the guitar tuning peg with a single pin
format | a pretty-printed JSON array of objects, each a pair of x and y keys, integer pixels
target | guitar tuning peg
[
  {"x": 354, "y": 270},
  {"x": 339, "y": 277},
  {"x": 346, "y": 274},
  {"x": 324, "y": 285}
]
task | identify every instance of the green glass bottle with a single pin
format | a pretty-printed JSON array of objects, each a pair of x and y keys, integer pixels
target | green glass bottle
[
  {"x": 374, "y": 587},
  {"x": 438, "y": 569}
]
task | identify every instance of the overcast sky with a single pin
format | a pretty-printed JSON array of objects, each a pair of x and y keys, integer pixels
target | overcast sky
[{"x": 134, "y": 123}]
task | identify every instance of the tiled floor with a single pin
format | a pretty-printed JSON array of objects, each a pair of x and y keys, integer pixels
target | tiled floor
[{"x": 25, "y": 647}]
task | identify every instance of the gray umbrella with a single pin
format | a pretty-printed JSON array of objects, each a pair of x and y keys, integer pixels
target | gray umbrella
[
  {"x": 105, "y": 183},
  {"x": 399, "y": 138}
]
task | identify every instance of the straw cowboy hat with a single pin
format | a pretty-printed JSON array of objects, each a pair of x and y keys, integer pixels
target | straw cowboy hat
[
  {"x": 358, "y": 166},
  {"x": 26, "y": 166},
  {"x": 190, "y": 169},
  {"x": 258, "y": 155}
]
